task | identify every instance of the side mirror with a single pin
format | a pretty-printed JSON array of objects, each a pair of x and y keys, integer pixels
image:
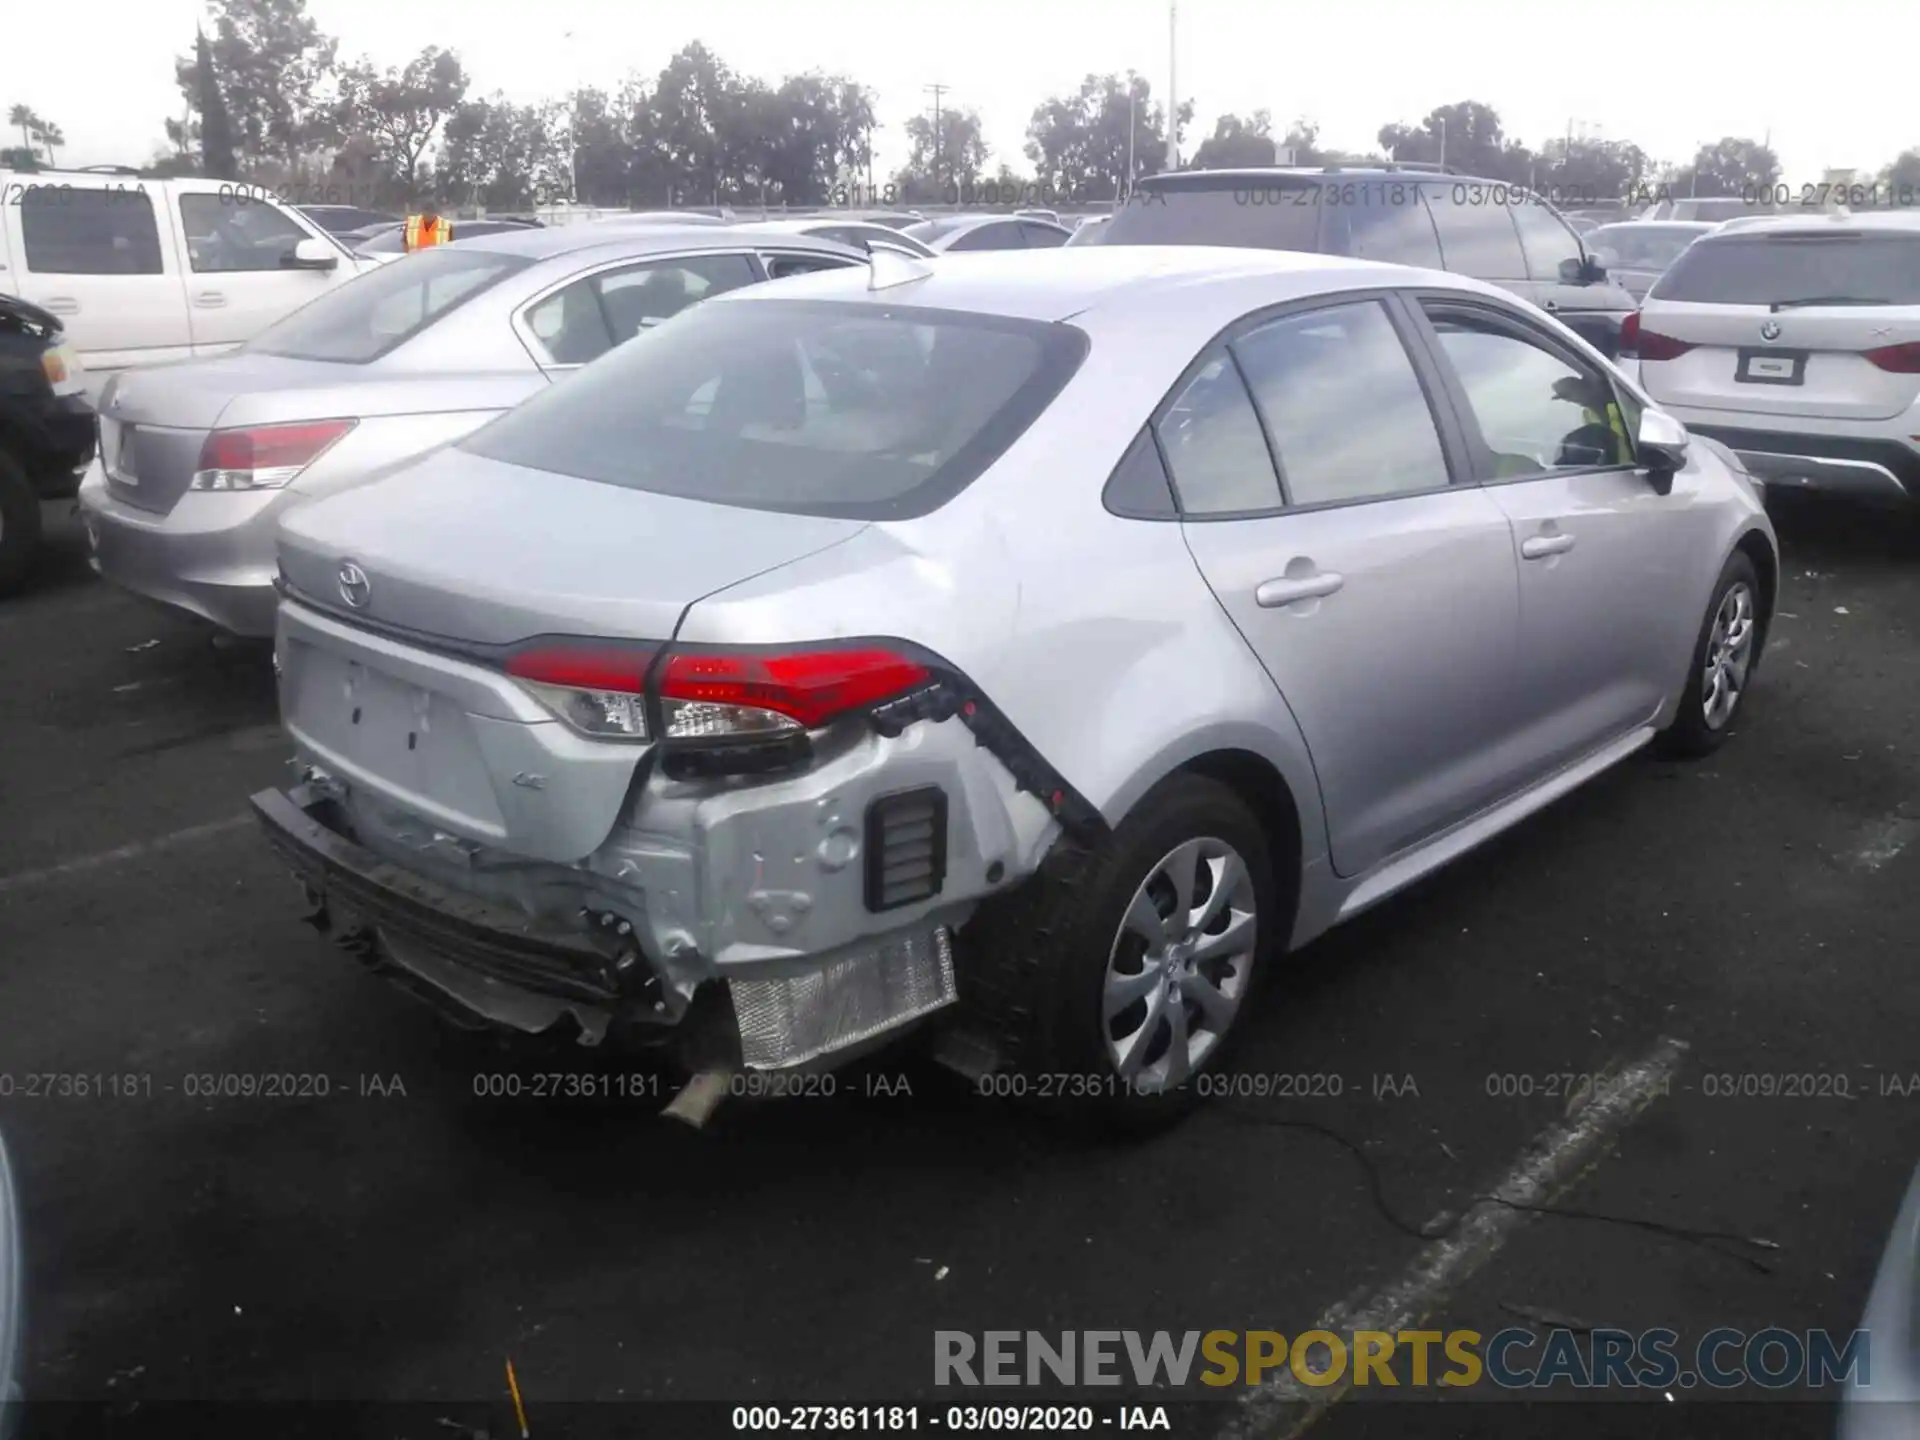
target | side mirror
[
  {"x": 1662, "y": 447},
  {"x": 311, "y": 254}
]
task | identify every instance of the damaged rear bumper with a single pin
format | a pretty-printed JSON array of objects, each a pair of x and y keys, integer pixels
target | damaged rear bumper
[{"x": 484, "y": 962}]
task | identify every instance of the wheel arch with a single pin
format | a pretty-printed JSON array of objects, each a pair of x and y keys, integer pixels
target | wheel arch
[
  {"x": 1274, "y": 778},
  {"x": 1760, "y": 549}
]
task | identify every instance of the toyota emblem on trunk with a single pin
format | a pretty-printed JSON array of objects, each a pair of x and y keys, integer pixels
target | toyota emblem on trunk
[
  {"x": 1770, "y": 330},
  {"x": 355, "y": 588}
]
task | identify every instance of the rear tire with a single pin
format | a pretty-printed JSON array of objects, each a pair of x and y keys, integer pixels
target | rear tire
[
  {"x": 1094, "y": 979},
  {"x": 1723, "y": 662},
  {"x": 19, "y": 526}
]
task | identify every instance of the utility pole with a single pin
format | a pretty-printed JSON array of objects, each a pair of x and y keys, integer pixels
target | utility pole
[
  {"x": 1443, "y": 142},
  {"x": 1173, "y": 87},
  {"x": 1127, "y": 188},
  {"x": 937, "y": 91}
]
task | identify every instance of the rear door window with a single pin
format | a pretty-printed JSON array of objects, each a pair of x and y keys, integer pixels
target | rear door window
[
  {"x": 1271, "y": 214},
  {"x": 1756, "y": 268},
  {"x": 1477, "y": 235},
  {"x": 582, "y": 321},
  {"x": 1214, "y": 445},
  {"x": 1344, "y": 406},
  {"x": 79, "y": 230},
  {"x": 1545, "y": 237},
  {"x": 1380, "y": 220}
]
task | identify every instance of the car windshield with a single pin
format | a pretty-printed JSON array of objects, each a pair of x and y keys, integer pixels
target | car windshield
[
  {"x": 808, "y": 407},
  {"x": 1256, "y": 211},
  {"x": 365, "y": 318},
  {"x": 1761, "y": 268}
]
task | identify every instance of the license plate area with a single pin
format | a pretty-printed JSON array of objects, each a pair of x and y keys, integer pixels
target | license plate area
[
  {"x": 119, "y": 453},
  {"x": 1771, "y": 367},
  {"x": 411, "y": 744}
]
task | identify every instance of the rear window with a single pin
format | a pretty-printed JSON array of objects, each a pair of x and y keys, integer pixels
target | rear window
[
  {"x": 365, "y": 318},
  {"x": 808, "y": 407},
  {"x": 1257, "y": 212},
  {"x": 931, "y": 230},
  {"x": 1762, "y": 269},
  {"x": 1651, "y": 247}
]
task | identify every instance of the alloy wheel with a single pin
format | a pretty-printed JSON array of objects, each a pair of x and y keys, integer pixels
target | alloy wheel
[
  {"x": 1180, "y": 964},
  {"x": 1729, "y": 656}
]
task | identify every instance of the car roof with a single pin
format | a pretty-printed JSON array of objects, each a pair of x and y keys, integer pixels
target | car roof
[
  {"x": 1683, "y": 227},
  {"x": 1826, "y": 224},
  {"x": 542, "y": 244},
  {"x": 1053, "y": 285},
  {"x": 1315, "y": 174}
]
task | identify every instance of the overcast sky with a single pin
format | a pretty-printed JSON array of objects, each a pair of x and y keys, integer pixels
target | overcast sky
[{"x": 1666, "y": 75}]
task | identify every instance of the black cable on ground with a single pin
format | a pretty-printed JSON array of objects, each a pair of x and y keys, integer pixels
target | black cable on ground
[{"x": 1716, "y": 1241}]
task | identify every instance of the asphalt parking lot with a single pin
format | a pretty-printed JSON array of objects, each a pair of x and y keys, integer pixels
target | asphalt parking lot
[{"x": 395, "y": 1238}]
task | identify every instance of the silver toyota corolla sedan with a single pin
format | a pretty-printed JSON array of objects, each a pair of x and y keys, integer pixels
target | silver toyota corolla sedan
[
  {"x": 1049, "y": 641},
  {"x": 199, "y": 460}
]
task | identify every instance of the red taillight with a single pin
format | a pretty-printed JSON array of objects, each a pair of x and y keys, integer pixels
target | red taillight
[
  {"x": 583, "y": 667},
  {"x": 722, "y": 693},
  {"x": 598, "y": 689},
  {"x": 1639, "y": 343},
  {"x": 263, "y": 457},
  {"x": 1903, "y": 359}
]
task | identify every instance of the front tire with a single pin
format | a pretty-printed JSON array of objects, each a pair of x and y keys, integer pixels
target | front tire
[
  {"x": 1723, "y": 662},
  {"x": 19, "y": 526},
  {"x": 1119, "y": 977}
]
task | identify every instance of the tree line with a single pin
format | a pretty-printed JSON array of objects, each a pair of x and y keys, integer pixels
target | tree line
[{"x": 267, "y": 99}]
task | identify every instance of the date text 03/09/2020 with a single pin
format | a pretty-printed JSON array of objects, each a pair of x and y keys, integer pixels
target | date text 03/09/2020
[{"x": 961, "y": 1419}]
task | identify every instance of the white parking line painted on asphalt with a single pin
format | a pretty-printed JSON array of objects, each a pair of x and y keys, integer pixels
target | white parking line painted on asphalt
[
  {"x": 1288, "y": 1407},
  {"x": 27, "y": 879}
]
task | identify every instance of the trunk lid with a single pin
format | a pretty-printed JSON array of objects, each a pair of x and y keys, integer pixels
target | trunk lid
[
  {"x": 477, "y": 552},
  {"x": 154, "y": 420},
  {"x": 1802, "y": 361}
]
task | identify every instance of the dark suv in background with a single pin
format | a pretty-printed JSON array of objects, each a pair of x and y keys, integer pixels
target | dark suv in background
[{"x": 1484, "y": 228}]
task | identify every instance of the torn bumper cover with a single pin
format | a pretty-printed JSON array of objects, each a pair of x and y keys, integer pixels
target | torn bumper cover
[{"x": 484, "y": 961}]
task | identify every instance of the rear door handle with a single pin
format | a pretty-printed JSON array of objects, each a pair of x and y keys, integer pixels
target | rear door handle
[
  {"x": 1272, "y": 594},
  {"x": 210, "y": 299},
  {"x": 1539, "y": 547},
  {"x": 63, "y": 305}
]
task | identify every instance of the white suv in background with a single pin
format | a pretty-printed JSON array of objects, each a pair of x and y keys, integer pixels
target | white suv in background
[
  {"x": 140, "y": 271},
  {"x": 1795, "y": 342}
]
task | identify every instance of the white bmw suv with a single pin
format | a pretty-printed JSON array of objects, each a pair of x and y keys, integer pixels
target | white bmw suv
[{"x": 1795, "y": 342}]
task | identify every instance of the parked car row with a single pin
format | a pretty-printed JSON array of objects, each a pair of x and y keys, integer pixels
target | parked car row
[{"x": 735, "y": 695}]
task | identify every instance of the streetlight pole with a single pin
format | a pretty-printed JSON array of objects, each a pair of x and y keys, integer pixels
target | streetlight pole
[
  {"x": 937, "y": 91},
  {"x": 1127, "y": 188},
  {"x": 1173, "y": 86}
]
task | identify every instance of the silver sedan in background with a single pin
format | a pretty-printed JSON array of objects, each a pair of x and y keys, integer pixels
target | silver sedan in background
[
  {"x": 199, "y": 461},
  {"x": 1637, "y": 252}
]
